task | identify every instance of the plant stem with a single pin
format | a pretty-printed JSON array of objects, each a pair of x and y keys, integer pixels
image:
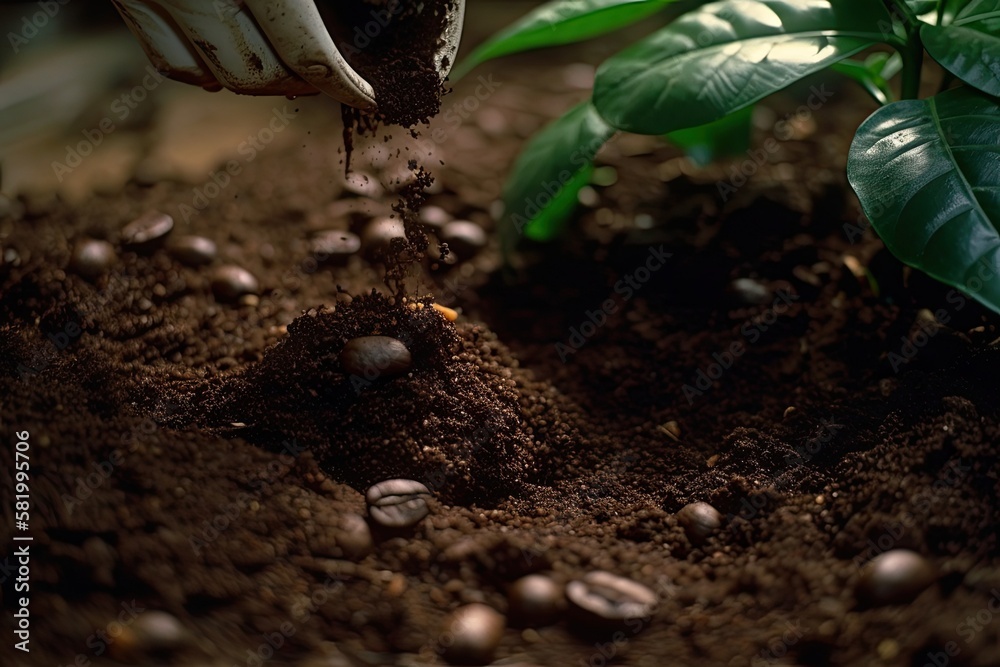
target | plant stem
[{"x": 912, "y": 50}]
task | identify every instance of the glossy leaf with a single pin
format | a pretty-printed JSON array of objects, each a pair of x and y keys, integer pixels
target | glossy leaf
[
  {"x": 542, "y": 187},
  {"x": 722, "y": 138},
  {"x": 727, "y": 55},
  {"x": 969, "y": 47},
  {"x": 927, "y": 173},
  {"x": 561, "y": 22}
]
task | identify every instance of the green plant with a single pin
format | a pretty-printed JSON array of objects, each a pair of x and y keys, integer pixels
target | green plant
[{"x": 927, "y": 171}]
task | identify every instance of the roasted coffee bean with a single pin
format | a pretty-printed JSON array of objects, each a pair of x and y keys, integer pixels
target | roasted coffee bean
[
  {"x": 470, "y": 634},
  {"x": 91, "y": 258},
  {"x": 397, "y": 503},
  {"x": 604, "y": 599},
  {"x": 230, "y": 282},
  {"x": 194, "y": 250},
  {"x": 159, "y": 631},
  {"x": 379, "y": 234},
  {"x": 534, "y": 601},
  {"x": 434, "y": 216},
  {"x": 148, "y": 230},
  {"x": 750, "y": 291},
  {"x": 371, "y": 357},
  {"x": 700, "y": 521},
  {"x": 363, "y": 184},
  {"x": 334, "y": 246},
  {"x": 894, "y": 577},
  {"x": 464, "y": 237},
  {"x": 354, "y": 537}
]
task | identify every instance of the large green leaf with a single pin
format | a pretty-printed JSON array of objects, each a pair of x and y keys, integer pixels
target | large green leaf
[
  {"x": 541, "y": 189},
  {"x": 727, "y": 55},
  {"x": 969, "y": 47},
  {"x": 561, "y": 22},
  {"x": 927, "y": 173}
]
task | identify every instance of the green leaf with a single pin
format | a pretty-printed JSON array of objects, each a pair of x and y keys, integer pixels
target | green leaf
[
  {"x": 969, "y": 47},
  {"x": 927, "y": 173},
  {"x": 728, "y": 55},
  {"x": 921, "y": 7},
  {"x": 541, "y": 190},
  {"x": 706, "y": 143},
  {"x": 561, "y": 22},
  {"x": 873, "y": 73}
]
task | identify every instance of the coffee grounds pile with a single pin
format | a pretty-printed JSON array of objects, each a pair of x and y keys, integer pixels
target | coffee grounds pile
[{"x": 453, "y": 422}]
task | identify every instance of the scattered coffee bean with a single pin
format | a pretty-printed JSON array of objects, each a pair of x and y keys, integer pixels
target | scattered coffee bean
[
  {"x": 700, "y": 521},
  {"x": 92, "y": 258},
  {"x": 194, "y": 250},
  {"x": 379, "y": 233},
  {"x": 158, "y": 631},
  {"x": 750, "y": 291},
  {"x": 370, "y": 357},
  {"x": 397, "y": 503},
  {"x": 603, "y": 599},
  {"x": 475, "y": 631},
  {"x": 464, "y": 237},
  {"x": 334, "y": 246},
  {"x": 434, "y": 216},
  {"x": 363, "y": 184},
  {"x": 894, "y": 577},
  {"x": 148, "y": 230},
  {"x": 230, "y": 282},
  {"x": 354, "y": 537},
  {"x": 534, "y": 601}
]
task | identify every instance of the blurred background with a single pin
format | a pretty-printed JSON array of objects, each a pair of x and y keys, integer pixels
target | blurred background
[{"x": 72, "y": 73}]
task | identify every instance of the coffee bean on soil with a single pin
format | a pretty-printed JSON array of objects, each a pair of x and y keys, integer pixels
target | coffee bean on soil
[
  {"x": 158, "y": 631},
  {"x": 334, "y": 246},
  {"x": 700, "y": 521},
  {"x": 92, "y": 258},
  {"x": 354, "y": 538},
  {"x": 378, "y": 235},
  {"x": 397, "y": 503},
  {"x": 605, "y": 600},
  {"x": 370, "y": 357},
  {"x": 363, "y": 184},
  {"x": 894, "y": 577},
  {"x": 194, "y": 250},
  {"x": 230, "y": 282},
  {"x": 750, "y": 291},
  {"x": 475, "y": 631},
  {"x": 464, "y": 237},
  {"x": 434, "y": 216},
  {"x": 148, "y": 230},
  {"x": 534, "y": 600}
]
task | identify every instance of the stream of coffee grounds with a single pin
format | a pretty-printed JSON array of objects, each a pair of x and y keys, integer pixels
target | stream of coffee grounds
[{"x": 399, "y": 64}]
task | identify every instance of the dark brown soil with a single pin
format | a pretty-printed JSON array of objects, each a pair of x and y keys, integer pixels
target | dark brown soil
[{"x": 208, "y": 459}]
